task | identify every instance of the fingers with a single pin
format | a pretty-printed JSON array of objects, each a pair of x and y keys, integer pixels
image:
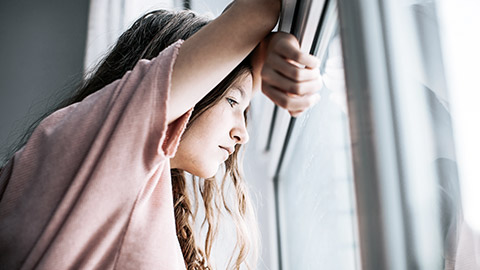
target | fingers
[
  {"x": 290, "y": 77},
  {"x": 286, "y": 45},
  {"x": 295, "y": 113},
  {"x": 278, "y": 80},
  {"x": 288, "y": 74},
  {"x": 295, "y": 104},
  {"x": 291, "y": 70}
]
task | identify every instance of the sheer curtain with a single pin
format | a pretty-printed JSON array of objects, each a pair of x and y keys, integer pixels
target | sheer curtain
[
  {"x": 108, "y": 19},
  {"x": 458, "y": 24}
]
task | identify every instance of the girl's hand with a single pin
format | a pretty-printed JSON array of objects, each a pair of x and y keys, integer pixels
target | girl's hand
[{"x": 289, "y": 77}]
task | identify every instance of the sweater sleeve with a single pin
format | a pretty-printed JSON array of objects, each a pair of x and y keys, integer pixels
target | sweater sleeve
[{"x": 98, "y": 153}]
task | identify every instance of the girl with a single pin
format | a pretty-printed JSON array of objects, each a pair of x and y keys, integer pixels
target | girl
[{"x": 100, "y": 182}]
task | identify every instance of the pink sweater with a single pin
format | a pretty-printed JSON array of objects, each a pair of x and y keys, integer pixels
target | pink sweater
[{"x": 92, "y": 189}]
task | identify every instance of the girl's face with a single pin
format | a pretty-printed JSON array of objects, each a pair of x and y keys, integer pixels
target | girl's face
[{"x": 212, "y": 137}]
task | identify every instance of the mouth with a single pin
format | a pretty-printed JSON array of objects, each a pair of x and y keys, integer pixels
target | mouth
[{"x": 229, "y": 150}]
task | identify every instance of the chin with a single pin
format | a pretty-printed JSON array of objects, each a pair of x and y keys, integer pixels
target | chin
[
  {"x": 208, "y": 174},
  {"x": 205, "y": 172}
]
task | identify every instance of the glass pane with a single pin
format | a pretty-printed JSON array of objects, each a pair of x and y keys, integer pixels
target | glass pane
[
  {"x": 430, "y": 188},
  {"x": 458, "y": 21},
  {"x": 445, "y": 187},
  {"x": 316, "y": 185},
  {"x": 458, "y": 242}
]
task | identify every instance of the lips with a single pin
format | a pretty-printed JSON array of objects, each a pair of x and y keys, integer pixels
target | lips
[{"x": 230, "y": 150}]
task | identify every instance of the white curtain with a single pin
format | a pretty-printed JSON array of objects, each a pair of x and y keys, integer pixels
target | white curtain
[{"x": 108, "y": 19}]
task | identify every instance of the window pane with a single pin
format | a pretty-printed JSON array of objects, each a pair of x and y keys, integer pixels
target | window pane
[
  {"x": 316, "y": 187},
  {"x": 398, "y": 88}
]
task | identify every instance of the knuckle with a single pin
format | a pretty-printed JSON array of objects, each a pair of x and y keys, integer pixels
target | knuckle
[
  {"x": 284, "y": 103},
  {"x": 296, "y": 88},
  {"x": 267, "y": 89},
  {"x": 295, "y": 74},
  {"x": 296, "y": 55},
  {"x": 297, "y": 113},
  {"x": 290, "y": 38},
  {"x": 265, "y": 73},
  {"x": 313, "y": 60},
  {"x": 264, "y": 87}
]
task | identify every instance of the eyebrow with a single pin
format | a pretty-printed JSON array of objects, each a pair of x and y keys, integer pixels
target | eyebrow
[{"x": 240, "y": 89}]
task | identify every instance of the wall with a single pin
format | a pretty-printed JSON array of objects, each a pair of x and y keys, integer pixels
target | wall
[{"x": 41, "y": 51}]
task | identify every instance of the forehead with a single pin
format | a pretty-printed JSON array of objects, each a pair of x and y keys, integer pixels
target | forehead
[{"x": 243, "y": 86}]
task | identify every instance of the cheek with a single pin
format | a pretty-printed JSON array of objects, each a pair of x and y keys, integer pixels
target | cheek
[
  {"x": 188, "y": 147},
  {"x": 201, "y": 163},
  {"x": 197, "y": 153}
]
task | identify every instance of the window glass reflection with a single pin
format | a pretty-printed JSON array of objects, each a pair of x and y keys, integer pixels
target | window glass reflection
[{"x": 316, "y": 185}]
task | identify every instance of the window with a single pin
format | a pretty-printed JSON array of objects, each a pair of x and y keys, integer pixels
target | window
[
  {"x": 369, "y": 178},
  {"x": 405, "y": 164},
  {"x": 317, "y": 209},
  {"x": 309, "y": 159}
]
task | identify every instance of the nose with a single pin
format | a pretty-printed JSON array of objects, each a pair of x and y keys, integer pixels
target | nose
[{"x": 239, "y": 133}]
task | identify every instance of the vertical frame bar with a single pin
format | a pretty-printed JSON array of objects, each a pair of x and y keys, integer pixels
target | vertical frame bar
[{"x": 377, "y": 168}]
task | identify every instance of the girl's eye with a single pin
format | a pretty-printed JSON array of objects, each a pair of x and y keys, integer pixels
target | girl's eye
[{"x": 232, "y": 102}]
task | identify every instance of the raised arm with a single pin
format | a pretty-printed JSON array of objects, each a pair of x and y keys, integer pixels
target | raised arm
[{"x": 209, "y": 55}]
